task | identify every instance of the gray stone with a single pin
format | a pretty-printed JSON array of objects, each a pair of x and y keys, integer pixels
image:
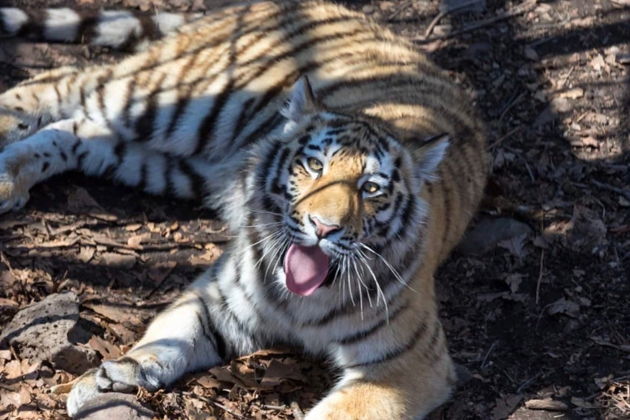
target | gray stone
[
  {"x": 488, "y": 232},
  {"x": 44, "y": 331},
  {"x": 114, "y": 405}
]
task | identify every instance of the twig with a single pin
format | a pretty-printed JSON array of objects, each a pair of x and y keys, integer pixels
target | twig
[
  {"x": 224, "y": 408},
  {"x": 477, "y": 25},
  {"x": 511, "y": 105},
  {"x": 540, "y": 274},
  {"x": 485, "y": 359},
  {"x": 400, "y": 9},
  {"x": 529, "y": 170},
  {"x": 566, "y": 78},
  {"x": 625, "y": 193},
  {"x": 444, "y": 13},
  {"x": 503, "y": 137},
  {"x": 527, "y": 382}
]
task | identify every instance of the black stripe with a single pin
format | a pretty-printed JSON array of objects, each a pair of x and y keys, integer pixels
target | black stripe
[
  {"x": 34, "y": 26},
  {"x": 86, "y": 31},
  {"x": 80, "y": 159},
  {"x": 144, "y": 125},
  {"x": 263, "y": 171},
  {"x": 351, "y": 339},
  {"x": 57, "y": 96},
  {"x": 119, "y": 151},
  {"x": 128, "y": 101},
  {"x": 142, "y": 183},
  {"x": 275, "y": 183},
  {"x": 170, "y": 189},
  {"x": 206, "y": 129},
  {"x": 210, "y": 330},
  {"x": 264, "y": 128},
  {"x": 197, "y": 182},
  {"x": 240, "y": 120},
  {"x": 405, "y": 216},
  {"x": 227, "y": 311},
  {"x": 434, "y": 341},
  {"x": 82, "y": 97},
  {"x": 149, "y": 28},
  {"x": 396, "y": 352},
  {"x": 184, "y": 93},
  {"x": 292, "y": 77},
  {"x": 446, "y": 193}
]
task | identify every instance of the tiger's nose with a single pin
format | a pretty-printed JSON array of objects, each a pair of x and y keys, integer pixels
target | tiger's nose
[{"x": 323, "y": 229}]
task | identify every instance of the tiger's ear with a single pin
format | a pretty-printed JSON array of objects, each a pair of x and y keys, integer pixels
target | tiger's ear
[
  {"x": 301, "y": 101},
  {"x": 429, "y": 154}
]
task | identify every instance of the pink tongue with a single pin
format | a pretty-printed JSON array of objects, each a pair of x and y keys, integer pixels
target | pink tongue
[{"x": 305, "y": 268}]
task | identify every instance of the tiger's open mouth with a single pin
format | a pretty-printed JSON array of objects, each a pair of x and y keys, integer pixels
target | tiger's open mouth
[{"x": 306, "y": 268}]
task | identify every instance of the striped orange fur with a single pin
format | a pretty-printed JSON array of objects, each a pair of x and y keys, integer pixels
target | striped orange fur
[{"x": 324, "y": 139}]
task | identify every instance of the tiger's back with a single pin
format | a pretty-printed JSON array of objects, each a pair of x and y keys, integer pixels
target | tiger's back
[{"x": 217, "y": 86}]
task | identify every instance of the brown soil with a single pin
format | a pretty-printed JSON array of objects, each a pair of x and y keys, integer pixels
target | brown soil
[{"x": 540, "y": 316}]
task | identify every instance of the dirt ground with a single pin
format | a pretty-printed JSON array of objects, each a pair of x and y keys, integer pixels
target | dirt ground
[{"x": 543, "y": 315}]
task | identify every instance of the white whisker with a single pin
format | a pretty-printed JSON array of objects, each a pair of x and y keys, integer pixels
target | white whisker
[
  {"x": 360, "y": 279},
  {"x": 378, "y": 286},
  {"x": 389, "y": 266}
]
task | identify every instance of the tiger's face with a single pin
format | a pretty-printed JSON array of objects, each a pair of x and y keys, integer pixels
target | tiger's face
[
  {"x": 344, "y": 183},
  {"x": 339, "y": 189}
]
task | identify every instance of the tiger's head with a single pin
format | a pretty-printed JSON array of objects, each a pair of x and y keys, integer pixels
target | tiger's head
[{"x": 335, "y": 194}]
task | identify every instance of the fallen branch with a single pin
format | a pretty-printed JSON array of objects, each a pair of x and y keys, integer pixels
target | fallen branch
[
  {"x": 625, "y": 193},
  {"x": 444, "y": 13},
  {"x": 478, "y": 25},
  {"x": 540, "y": 275}
]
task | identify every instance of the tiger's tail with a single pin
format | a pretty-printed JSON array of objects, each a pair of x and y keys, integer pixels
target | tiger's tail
[{"x": 118, "y": 29}]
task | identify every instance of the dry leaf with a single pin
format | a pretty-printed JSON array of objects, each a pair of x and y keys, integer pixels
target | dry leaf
[
  {"x": 514, "y": 281},
  {"x": 135, "y": 240},
  {"x": 86, "y": 253},
  {"x": 574, "y": 93},
  {"x": 516, "y": 245},
  {"x": 564, "y": 306},
  {"x": 133, "y": 227},
  {"x": 279, "y": 372},
  {"x": 106, "y": 349},
  {"x": 587, "y": 141}
]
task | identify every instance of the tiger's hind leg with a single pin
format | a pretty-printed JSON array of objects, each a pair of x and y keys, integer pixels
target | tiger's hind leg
[{"x": 81, "y": 144}]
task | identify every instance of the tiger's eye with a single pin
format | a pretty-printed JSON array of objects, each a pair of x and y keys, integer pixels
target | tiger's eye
[
  {"x": 314, "y": 164},
  {"x": 371, "y": 187}
]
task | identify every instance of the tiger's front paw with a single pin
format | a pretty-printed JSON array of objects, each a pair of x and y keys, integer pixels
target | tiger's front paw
[
  {"x": 122, "y": 375},
  {"x": 13, "y": 196}
]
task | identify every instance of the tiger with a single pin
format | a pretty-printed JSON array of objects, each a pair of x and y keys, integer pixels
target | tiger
[{"x": 346, "y": 164}]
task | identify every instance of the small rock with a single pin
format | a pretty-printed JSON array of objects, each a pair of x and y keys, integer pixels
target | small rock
[
  {"x": 488, "y": 232},
  {"x": 114, "y": 405},
  {"x": 530, "y": 53},
  {"x": 546, "y": 404},
  {"x": 561, "y": 104},
  {"x": 43, "y": 331}
]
